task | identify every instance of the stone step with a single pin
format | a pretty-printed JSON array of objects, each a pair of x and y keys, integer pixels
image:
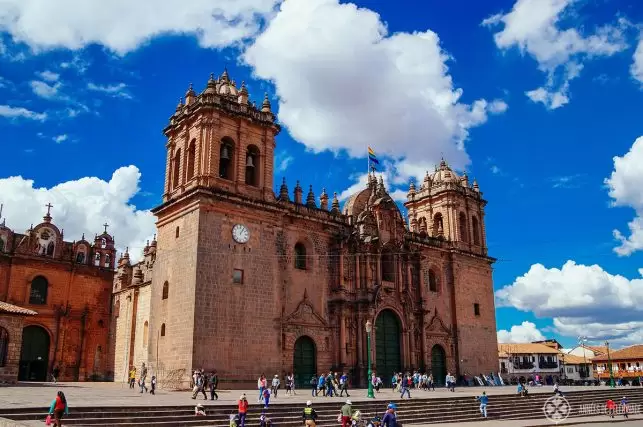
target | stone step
[{"x": 411, "y": 411}]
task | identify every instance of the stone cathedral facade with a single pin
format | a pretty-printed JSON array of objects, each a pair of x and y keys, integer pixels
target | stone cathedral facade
[{"x": 246, "y": 281}]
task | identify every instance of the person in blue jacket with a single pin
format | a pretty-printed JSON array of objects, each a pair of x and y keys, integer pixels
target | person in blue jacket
[
  {"x": 390, "y": 417},
  {"x": 484, "y": 399}
]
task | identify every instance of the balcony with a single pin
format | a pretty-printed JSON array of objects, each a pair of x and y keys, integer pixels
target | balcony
[
  {"x": 524, "y": 365},
  {"x": 545, "y": 364}
]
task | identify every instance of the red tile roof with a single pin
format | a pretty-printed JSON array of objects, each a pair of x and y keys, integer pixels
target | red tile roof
[
  {"x": 7, "y": 308},
  {"x": 631, "y": 352}
]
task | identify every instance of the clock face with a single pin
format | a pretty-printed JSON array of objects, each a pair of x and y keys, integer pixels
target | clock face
[{"x": 240, "y": 233}]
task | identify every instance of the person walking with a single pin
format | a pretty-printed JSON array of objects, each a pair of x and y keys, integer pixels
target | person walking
[
  {"x": 275, "y": 385},
  {"x": 625, "y": 406},
  {"x": 390, "y": 417},
  {"x": 310, "y": 416},
  {"x": 213, "y": 383},
  {"x": 143, "y": 377},
  {"x": 54, "y": 374},
  {"x": 132, "y": 377},
  {"x": 153, "y": 385},
  {"x": 347, "y": 413},
  {"x": 483, "y": 399},
  {"x": 58, "y": 409},
  {"x": 243, "y": 409},
  {"x": 405, "y": 384},
  {"x": 343, "y": 384}
]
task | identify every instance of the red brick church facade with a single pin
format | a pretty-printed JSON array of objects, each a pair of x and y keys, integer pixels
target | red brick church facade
[{"x": 247, "y": 281}]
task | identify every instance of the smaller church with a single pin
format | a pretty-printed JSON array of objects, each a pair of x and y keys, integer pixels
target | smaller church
[
  {"x": 248, "y": 280},
  {"x": 55, "y": 300}
]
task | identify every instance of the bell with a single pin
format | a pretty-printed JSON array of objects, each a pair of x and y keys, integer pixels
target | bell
[
  {"x": 250, "y": 163},
  {"x": 225, "y": 153}
]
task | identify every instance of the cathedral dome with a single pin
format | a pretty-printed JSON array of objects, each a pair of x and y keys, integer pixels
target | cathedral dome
[
  {"x": 358, "y": 202},
  {"x": 444, "y": 174}
]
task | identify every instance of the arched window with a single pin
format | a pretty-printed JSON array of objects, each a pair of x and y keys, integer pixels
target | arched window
[
  {"x": 108, "y": 261},
  {"x": 166, "y": 290},
  {"x": 163, "y": 330},
  {"x": 300, "y": 256},
  {"x": 225, "y": 158},
  {"x": 464, "y": 230},
  {"x": 191, "y": 159},
  {"x": 438, "y": 226},
  {"x": 388, "y": 266},
  {"x": 39, "y": 288},
  {"x": 4, "y": 346},
  {"x": 176, "y": 169},
  {"x": 475, "y": 229},
  {"x": 80, "y": 258},
  {"x": 97, "y": 260},
  {"x": 252, "y": 166},
  {"x": 1, "y": 245},
  {"x": 146, "y": 327},
  {"x": 117, "y": 308},
  {"x": 177, "y": 232},
  {"x": 433, "y": 281},
  {"x": 423, "y": 229}
]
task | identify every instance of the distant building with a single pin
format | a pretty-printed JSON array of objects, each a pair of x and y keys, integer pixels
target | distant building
[
  {"x": 12, "y": 320},
  {"x": 64, "y": 291},
  {"x": 575, "y": 368},
  {"x": 627, "y": 364},
  {"x": 522, "y": 361}
]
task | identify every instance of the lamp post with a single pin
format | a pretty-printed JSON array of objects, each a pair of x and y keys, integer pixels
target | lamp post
[
  {"x": 369, "y": 329},
  {"x": 609, "y": 364},
  {"x": 582, "y": 341}
]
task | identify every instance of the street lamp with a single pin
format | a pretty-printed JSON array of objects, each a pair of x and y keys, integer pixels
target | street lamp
[
  {"x": 582, "y": 342},
  {"x": 609, "y": 364},
  {"x": 369, "y": 329}
]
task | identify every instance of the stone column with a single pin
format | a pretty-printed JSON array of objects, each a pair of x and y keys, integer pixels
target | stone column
[
  {"x": 342, "y": 337},
  {"x": 360, "y": 347},
  {"x": 358, "y": 272},
  {"x": 340, "y": 279}
]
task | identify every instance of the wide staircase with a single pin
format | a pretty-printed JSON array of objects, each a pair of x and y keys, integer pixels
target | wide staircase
[{"x": 412, "y": 411}]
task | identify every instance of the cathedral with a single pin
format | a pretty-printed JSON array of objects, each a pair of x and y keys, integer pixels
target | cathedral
[
  {"x": 246, "y": 281},
  {"x": 55, "y": 300}
]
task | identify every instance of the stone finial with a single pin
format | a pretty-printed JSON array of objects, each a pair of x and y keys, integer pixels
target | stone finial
[
  {"x": 475, "y": 185},
  {"x": 265, "y": 107},
  {"x": 323, "y": 200},
  {"x": 243, "y": 94},
  {"x": 283, "y": 192},
  {"x": 153, "y": 241},
  {"x": 310, "y": 199},
  {"x": 465, "y": 180},
  {"x": 335, "y": 205},
  {"x": 299, "y": 194},
  {"x": 190, "y": 95},
  {"x": 180, "y": 105},
  {"x": 225, "y": 77},
  {"x": 211, "y": 81}
]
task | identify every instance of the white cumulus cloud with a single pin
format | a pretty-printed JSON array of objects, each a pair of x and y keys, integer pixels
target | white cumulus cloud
[
  {"x": 122, "y": 25},
  {"x": 10, "y": 112},
  {"x": 44, "y": 89},
  {"x": 536, "y": 28},
  {"x": 344, "y": 83},
  {"x": 523, "y": 333},
  {"x": 82, "y": 206},
  {"x": 582, "y": 300},
  {"x": 625, "y": 184},
  {"x": 637, "y": 65},
  {"x": 117, "y": 90}
]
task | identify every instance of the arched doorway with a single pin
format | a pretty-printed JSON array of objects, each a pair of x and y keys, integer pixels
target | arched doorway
[
  {"x": 34, "y": 355},
  {"x": 304, "y": 361},
  {"x": 388, "y": 332},
  {"x": 438, "y": 364}
]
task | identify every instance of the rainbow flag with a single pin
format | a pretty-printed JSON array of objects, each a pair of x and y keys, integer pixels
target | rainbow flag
[{"x": 372, "y": 158}]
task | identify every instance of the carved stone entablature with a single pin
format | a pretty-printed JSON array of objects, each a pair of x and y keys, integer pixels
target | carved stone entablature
[
  {"x": 436, "y": 327},
  {"x": 305, "y": 315}
]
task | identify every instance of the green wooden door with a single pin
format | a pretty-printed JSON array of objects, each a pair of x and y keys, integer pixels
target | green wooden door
[
  {"x": 388, "y": 357},
  {"x": 34, "y": 354},
  {"x": 438, "y": 364},
  {"x": 305, "y": 361}
]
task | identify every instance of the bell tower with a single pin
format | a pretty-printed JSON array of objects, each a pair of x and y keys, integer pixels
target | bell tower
[
  {"x": 447, "y": 206},
  {"x": 221, "y": 140}
]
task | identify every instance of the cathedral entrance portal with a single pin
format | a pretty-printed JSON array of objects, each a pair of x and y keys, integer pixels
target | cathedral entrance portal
[
  {"x": 438, "y": 364},
  {"x": 34, "y": 354},
  {"x": 304, "y": 362},
  {"x": 388, "y": 357}
]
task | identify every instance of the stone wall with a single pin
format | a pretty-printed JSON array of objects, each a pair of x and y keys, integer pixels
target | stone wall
[{"x": 13, "y": 325}]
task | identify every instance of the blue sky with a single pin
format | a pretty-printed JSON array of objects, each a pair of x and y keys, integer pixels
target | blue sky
[{"x": 83, "y": 94}]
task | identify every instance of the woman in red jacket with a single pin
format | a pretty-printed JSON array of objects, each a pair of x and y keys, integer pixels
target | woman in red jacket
[{"x": 59, "y": 408}]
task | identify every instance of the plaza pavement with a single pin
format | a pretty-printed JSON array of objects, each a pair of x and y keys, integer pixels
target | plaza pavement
[{"x": 117, "y": 394}]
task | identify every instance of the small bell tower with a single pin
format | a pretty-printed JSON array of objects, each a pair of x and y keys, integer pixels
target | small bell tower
[
  {"x": 447, "y": 206},
  {"x": 221, "y": 140}
]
